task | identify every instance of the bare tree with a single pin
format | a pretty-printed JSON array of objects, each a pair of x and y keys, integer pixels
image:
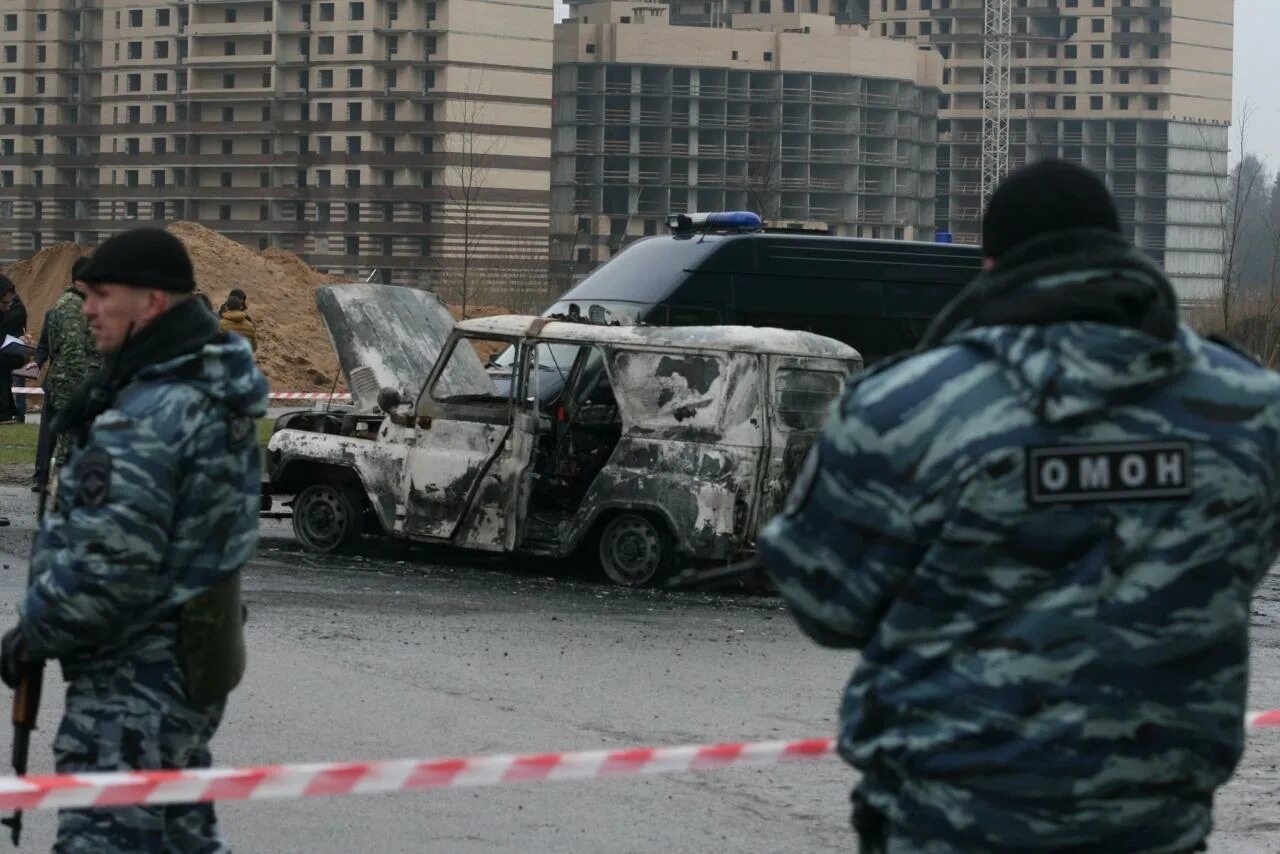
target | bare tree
[
  {"x": 472, "y": 151},
  {"x": 1235, "y": 193},
  {"x": 764, "y": 174}
]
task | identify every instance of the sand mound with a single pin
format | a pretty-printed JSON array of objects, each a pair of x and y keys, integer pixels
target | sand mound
[{"x": 293, "y": 345}]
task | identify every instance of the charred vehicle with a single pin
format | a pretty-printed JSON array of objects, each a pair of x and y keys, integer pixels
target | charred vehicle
[{"x": 663, "y": 445}]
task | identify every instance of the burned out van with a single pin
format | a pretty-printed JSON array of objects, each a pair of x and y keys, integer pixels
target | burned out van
[{"x": 663, "y": 445}]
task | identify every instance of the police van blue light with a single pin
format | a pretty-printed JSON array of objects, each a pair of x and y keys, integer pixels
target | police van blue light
[{"x": 718, "y": 221}]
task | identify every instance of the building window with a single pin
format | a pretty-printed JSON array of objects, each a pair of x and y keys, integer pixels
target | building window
[
  {"x": 224, "y": 212},
  {"x": 324, "y": 46},
  {"x": 591, "y": 48},
  {"x": 1095, "y": 77},
  {"x": 160, "y": 50},
  {"x": 1068, "y": 102},
  {"x": 40, "y": 85},
  {"x": 41, "y": 53},
  {"x": 768, "y": 56},
  {"x": 229, "y": 17},
  {"x": 355, "y": 45},
  {"x": 135, "y": 50},
  {"x": 1069, "y": 52},
  {"x": 354, "y": 113},
  {"x": 135, "y": 17},
  {"x": 357, "y": 12},
  {"x": 1098, "y": 25},
  {"x": 11, "y": 53},
  {"x": 228, "y": 81},
  {"x": 355, "y": 78},
  {"x": 326, "y": 11},
  {"x": 322, "y": 178},
  {"x": 228, "y": 115},
  {"x": 326, "y": 78},
  {"x": 1095, "y": 102},
  {"x": 324, "y": 144},
  {"x": 160, "y": 82},
  {"x": 388, "y": 177},
  {"x": 133, "y": 82},
  {"x": 1153, "y": 102},
  {"x": 228, "y": 48},
  {"x": 1098, "y": 51},
  {"x": 1069, "y": 78},
  {"x": 392, "y": 78},
  {"x": 1122, "y": 102},
  {"x": 353, "y": 145},
  {"x": 162, "y": 17},
  {"x": 353, "y": 177}
]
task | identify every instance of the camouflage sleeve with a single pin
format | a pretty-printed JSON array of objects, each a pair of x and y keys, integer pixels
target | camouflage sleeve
[
  {"x": 99, "y": 561},
  {"x": 845, "y": 544}
]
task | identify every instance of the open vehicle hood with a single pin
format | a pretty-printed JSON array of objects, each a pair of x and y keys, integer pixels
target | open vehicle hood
[{"x": 392, "y": 336}]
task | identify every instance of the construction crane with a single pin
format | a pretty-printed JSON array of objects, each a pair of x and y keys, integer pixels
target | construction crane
[{"x": 997, "y": 75}]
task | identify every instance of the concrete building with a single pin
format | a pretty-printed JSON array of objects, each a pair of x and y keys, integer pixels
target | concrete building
[
  {"x": 1139, "y": 90},
  {"x": 410, "y": 137},
  {"x": 789, "y": 114}
]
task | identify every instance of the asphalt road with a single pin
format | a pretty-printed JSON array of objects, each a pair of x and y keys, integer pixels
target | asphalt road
[{"x": 412, "y": 653}]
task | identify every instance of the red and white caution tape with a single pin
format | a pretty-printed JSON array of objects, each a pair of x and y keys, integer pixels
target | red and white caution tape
[
  {"x": 406, "y": 775},
  {"x": 275, "y": 395}
]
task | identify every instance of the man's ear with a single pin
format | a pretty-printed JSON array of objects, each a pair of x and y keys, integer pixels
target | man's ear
[{"x": 158, "y": 302}]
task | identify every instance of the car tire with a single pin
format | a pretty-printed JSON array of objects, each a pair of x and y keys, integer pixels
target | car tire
[
  {"x": 327, "y": 518},
  {"x": 635, "y": 550}
]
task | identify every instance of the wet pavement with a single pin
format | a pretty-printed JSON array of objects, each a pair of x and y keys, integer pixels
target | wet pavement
[{"x": 412, "y": 652}]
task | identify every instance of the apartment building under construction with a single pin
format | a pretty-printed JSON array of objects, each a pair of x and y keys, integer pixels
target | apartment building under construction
[
  {"x": 1138, "y": 90},
  {"x": 711, "y": 107},
  {"x": 407, "y": 137}
]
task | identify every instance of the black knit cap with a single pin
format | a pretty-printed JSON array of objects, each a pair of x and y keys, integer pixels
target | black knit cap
[
  {"x": 1047, "y": 196},
  {"x": 78, "y": 268},
  {"x": 144, "y": 258},
  {"x": 6, "y": 284}
]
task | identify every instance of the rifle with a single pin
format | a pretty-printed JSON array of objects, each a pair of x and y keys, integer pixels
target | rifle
[
  {"x": 26, "y": 699},
  {"x": 704, "y": 579}
]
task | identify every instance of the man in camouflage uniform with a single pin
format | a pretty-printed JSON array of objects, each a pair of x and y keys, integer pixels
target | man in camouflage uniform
[
  {"x": 1043, "y": 531},
  {"x": 72, "y": 355},
  {"x": 137, "y": 565}
]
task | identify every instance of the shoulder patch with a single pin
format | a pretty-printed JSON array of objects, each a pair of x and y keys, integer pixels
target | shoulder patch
[
  {"x": 1084, "y": 474},
  {"x": 93, "y": 479}
]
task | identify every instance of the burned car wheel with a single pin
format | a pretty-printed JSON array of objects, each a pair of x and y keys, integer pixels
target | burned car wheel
[
  {"x": 327, "y": 517},
  {"x": 634, "y": 550}
]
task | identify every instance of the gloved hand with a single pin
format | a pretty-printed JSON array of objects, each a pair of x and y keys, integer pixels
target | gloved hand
[{"x": 13, "y": 654}]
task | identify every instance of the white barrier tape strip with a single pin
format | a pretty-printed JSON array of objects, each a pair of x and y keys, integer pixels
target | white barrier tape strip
[
  {"x": 406, "y": 775},
  {"x": 275, "y": 395},
  {"x": 365, "y": 778}
]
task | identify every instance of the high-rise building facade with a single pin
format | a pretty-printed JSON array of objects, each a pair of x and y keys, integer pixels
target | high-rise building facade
[
  {"x": 788, "y": 114},
  {"x": 1138, "y": 90},
  {"x": 407, "y": 137}
]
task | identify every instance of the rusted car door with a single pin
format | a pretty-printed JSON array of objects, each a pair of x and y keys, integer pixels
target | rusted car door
[
  {"x": 802, "y": 392},
  {"x": 461, "y": 474}
]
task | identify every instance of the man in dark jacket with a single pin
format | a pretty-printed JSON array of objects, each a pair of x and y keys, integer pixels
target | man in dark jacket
[
  {"x": 136, "y": 567},
  {"x": 1043, "y": 531},
  {"x": 13, "y": 322}
]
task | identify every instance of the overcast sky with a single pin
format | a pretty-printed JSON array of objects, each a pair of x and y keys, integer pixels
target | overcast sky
[
  {"x": 1257, "y": 74},
  {"x": 1257, "y": 77}
]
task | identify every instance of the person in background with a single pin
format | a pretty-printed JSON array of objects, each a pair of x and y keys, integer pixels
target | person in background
[
  {"x": 1043, "y": 531},
  {"x": 68, "y": 349},
  {"x": 13, "y": 322},
  {"x": 234, "y": 317}
]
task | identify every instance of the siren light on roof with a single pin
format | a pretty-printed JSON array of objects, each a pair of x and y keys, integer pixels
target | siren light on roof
[{"x": 719, "y": 221}]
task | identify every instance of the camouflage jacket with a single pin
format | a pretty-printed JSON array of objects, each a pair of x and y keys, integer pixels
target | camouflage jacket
[
  {"x": 1043, "y": 532},
  {"x": 73, "y": 354},
  {"x": 160, "y": 499}
]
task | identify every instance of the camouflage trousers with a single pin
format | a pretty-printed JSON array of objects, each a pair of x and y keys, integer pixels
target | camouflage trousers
[{"x": 136, "y": 717}]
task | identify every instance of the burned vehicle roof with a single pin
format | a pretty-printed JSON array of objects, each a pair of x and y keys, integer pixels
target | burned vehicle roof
[{"x": 752, "y": 339}]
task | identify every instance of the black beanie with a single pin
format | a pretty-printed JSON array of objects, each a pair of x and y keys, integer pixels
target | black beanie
[
  {"x": 143, "y": 258},
  {"x": 6, "y": 284},
  {"x": 78, "y": 268},
  {"x": 1048, "y": 196}
]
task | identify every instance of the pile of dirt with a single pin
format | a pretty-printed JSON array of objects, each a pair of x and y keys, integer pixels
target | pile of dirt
[{"x": 293, "y": 345}]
